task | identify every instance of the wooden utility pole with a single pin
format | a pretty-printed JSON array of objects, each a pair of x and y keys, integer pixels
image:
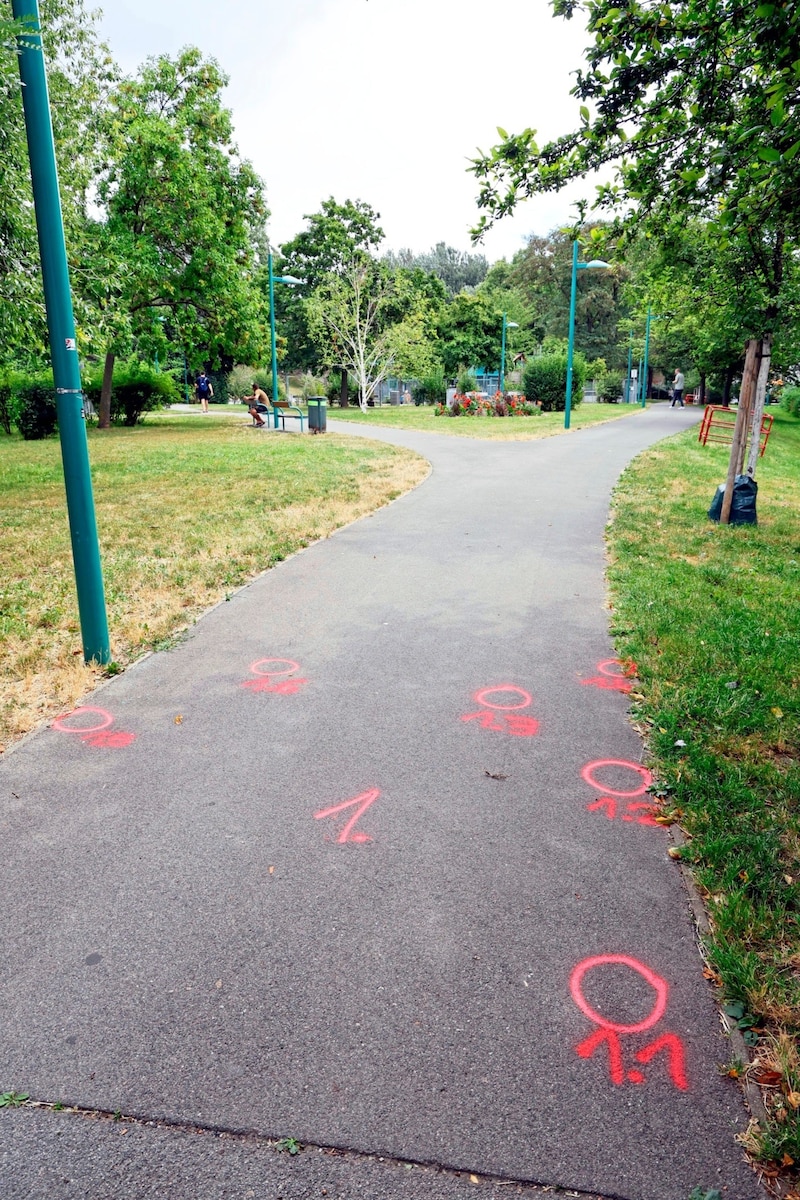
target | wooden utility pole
[
  {"x": 752, "y": 363},
  {"x": 758, "y": 406}
]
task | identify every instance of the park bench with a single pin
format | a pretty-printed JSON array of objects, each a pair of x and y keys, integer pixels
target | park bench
[{"x": 282, "y": 409}]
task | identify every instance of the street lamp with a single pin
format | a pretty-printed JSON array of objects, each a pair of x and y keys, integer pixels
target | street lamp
[
  {"x": 595, "y": 264},
  {"x": 506, "y": 325},
  {"x": 273, "y": 279}
]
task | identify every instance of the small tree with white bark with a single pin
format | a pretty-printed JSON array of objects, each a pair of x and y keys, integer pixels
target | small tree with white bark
[{"x": 345, "y": 318}]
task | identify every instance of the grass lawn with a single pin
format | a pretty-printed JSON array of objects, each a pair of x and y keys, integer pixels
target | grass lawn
[
  {"x": 508, "y": 429},
  {"x": 711, "y": 616},
  {"x": 188, "y": 509}
]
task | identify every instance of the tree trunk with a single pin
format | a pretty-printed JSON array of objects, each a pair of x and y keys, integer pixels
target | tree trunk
[
  {"x": 758, "y": 406},
  {"x": 749, "y": 377},
  {"x": 726, "y": 387},
  {"x": 344, "y": 398},
  {"x": 104, "y": 416}
]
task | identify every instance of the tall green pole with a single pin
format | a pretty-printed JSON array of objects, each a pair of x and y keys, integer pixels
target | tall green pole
[
  {"x": 61, "y": 330},
  {"x": 272, "y": 342},
  {"x": 630, "y": 367},
  {"x": 646, "y": 353},
  {"x": 571, "y": 344},
  {"x": 500, "y": 387}
]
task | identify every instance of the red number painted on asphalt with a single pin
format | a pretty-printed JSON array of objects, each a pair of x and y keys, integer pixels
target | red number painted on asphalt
[
  {"x": 613, "y": 676},
  {"x": 267, "y": 670},
  {"x": 97, "y": 734},
  {"x": 609, "y": 1033},
  {"x": 502, "y": 717},
  {"x": 361, "y": 803}
]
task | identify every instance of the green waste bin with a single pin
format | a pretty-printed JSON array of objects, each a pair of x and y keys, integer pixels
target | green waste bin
[{"x": 317, "y": 414}]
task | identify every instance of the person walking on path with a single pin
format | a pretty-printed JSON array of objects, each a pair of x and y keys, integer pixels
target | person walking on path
[
  {"x": 203, "y": 390},
  {"x": 259, "y": 403},
  {"x": 677, "y": 389}
]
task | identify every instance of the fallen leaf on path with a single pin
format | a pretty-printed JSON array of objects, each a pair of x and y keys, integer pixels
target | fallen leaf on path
[
  {"x": 179, "y": 720},
  {"x": 218, "y": 984},
  {"x": 497, "y": 776}
]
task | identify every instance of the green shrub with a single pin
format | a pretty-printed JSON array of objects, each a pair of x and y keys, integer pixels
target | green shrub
[
  {"x": 240, "y": 382},
  {"x": 466, "y": 382},
  {"x": 610, "y": 387},
  {"x": 790, "y": 401},
  {"x": 545, "y": 380},
  {"x": 137, "y": 388},
  {"x": 35, "y": 413},
  {"x": 312, "y": 386},
  {"x": 6, "y": 405},
  {"x": 333, "y": 388},
  {"x": 431, "y": 389}
]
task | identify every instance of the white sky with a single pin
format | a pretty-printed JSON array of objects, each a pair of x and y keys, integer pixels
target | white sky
[{"x": 377, "y": 100}]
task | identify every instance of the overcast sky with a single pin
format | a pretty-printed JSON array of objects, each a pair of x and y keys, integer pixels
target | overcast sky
[{"x": 377, "y": 100}]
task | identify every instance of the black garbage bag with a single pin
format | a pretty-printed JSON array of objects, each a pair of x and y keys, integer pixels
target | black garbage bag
[{"x": 743, "y": 505}]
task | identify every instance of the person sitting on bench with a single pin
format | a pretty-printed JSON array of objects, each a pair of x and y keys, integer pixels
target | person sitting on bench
[{"x": 259, "y": 403}]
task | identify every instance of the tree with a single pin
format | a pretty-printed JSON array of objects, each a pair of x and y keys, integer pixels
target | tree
[
  {"x": 345, "y": 313},
  {"x": 695, "y": 103},
  {"x": 456, "y": 269},
  {"x": 80, "y": 70},
  {"x": 335, "y": 237},
  {"x": 183, "y": 218},
  {"x": 470, "y": 329}
]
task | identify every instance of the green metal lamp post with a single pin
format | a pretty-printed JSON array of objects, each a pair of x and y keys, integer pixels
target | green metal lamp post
[
  {"x": 61, "y": 330},
  {"x": 506, "y": 325},
  {"x": 595, "y": 264},
  {"x": 646, "y": 355},
  {"x": 273, "y": 279}
]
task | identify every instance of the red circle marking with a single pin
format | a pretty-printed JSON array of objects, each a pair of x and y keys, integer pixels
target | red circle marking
[
  {"x": 587, "y": 774},
  {"x": 600, "y": 960},
  {"x": 78, "y": 712},
  {"x": 479, "y": 697},
  {"x": 287, "y": 670},
  {"x": 611, "y": 662}
]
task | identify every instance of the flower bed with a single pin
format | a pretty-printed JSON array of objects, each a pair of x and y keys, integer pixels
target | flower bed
[{"x": 476, "y": 404}]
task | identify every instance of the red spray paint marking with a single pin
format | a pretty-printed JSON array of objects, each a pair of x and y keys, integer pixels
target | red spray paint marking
[
  {"x": 613, "y": 676},
  {"x": 97, "y": 734},
  {"x": 609, "y": 1032},
  {"x": 362, "y": 802},
  {"x": 269, "y": 669},
  {"x": 608, "y": 804},
  {"x": 587, "y": 774},
  {"x": 504, "y": 718},
  {"x": 658, "y": 984}
]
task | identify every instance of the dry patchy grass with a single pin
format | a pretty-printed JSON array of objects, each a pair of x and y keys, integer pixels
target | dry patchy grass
[{"x": 187, "y": 511}]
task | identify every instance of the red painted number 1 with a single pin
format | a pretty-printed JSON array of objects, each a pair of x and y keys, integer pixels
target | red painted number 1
[{"x": 360, "y": 804}]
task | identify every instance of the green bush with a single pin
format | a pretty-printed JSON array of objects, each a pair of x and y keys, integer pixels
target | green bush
[
  {"x": 610, "y": 387},
  {"x": 312, "y": 386},
  {"x": 35, "y": 413},
  {"x": 6, "y": 405},
  {"x": 333, "y": 387},
  {"x": 545, "y": 380},
  {"x": 137, "y": 388},
  {"x": 219, "y": 382},
  {"x": 431, "y": 389},
  {"x": 466, "y": 382},
  {"x": 240, "y": 382},
  {"x": 790, "y": 401}
]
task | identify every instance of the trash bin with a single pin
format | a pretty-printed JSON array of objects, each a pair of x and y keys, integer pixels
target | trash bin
[{"x": 317, "y": 414}]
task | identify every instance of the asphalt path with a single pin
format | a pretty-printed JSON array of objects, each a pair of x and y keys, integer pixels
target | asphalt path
[{"x": 365, "y": 861}]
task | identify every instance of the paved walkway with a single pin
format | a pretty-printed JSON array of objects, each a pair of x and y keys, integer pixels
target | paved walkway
[{"x": 366, "y": 862}]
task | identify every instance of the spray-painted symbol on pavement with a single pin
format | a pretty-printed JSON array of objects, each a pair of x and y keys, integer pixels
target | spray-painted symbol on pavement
[
  {"x": 360, "y": 804},
  {"x": 504, "y": 717},
  {"x": 609, "y": 1033},
  {"x": 272, "y": 676},
  {"x": 92, "y": 727},
  {"x": 639, "y": 811},
  {"x": 613, "y": 676}
]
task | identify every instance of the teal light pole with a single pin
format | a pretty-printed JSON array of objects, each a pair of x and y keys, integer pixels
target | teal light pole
[
  {"x": 61, "y": 331},
  {"x": 595, "y": 264},
  {"x": 506, "y": 325},
  {"x": 645, "y": 388},
  {"x": 273, "y": 279},
  {"x": 630, "y": 368}
]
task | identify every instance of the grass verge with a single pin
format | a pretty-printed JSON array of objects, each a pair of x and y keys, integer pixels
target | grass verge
[
  {"x": 187, "y": 510},
  {"x": 710, "y": 616},
  {"x": 517, "y": 429}
]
